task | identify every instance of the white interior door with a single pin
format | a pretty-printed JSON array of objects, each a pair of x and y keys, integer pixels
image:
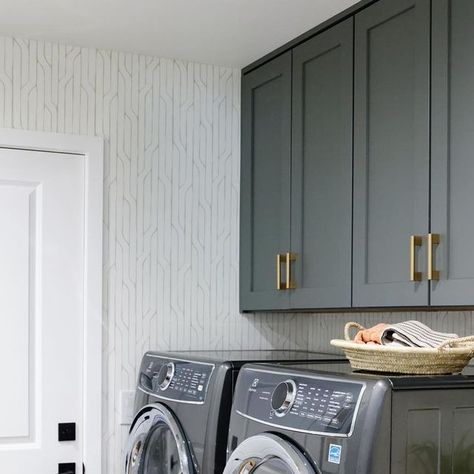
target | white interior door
[{"x": 42, "y": 234}]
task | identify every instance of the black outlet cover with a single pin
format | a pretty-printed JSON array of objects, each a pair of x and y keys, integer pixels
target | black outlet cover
[
  {"x": 67, "y": 468},
  {"x": 66, "y": 431}
]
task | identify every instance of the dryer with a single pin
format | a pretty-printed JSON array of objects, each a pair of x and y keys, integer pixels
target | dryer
[
  {"x": 183, "y": 406},
  {"x": 328, "y": 419}
]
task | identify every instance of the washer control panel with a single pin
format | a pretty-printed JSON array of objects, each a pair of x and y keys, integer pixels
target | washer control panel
[
  {"x": 311, "y": 404},
  {"x": 174, "y": 379}
]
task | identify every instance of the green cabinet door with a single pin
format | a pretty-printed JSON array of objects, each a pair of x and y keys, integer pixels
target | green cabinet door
[
  {"x": 265, "y": 183},
  {"x": 452, "y": 186},
  {"x": 391, "y": 151},
  {"x": 321, "y": 217}
]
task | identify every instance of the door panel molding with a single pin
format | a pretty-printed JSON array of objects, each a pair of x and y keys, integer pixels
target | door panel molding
[
  {"x": 391, "y": 151},
  {"x": 265, "y": 184},
  {"x": 452, "y": 166},
  {"x": 321, "y": 213},
  {"x": 92, "y": 149}
]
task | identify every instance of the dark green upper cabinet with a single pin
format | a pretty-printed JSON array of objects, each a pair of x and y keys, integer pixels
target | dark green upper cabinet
[
  {"x": 452, "y": 186},
  {"x": 297, "y": 177},
  {"x": 321, "y": 211},
  {"x": 265, "y": 183},
  {"x": 358, "y": 162},
  {"x": 391, "y": 151}
]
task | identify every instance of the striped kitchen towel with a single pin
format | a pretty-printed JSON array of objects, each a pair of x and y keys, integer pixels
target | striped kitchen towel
[{"x": 414, "y": 334}]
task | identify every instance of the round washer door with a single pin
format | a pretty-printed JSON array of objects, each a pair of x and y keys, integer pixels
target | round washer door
[
  {"x": 157, "y": 444},
  {"x": 267, "y": 453}
]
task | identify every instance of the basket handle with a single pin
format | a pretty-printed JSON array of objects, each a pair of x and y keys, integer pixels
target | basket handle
[
  {"x": 457, "y": 342},
  {"x": 348, "y": 327}
]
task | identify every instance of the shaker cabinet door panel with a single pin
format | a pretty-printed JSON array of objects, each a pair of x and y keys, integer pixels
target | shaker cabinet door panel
[
  {"x": 452, "y": 187},
  {"x": 321, "y": 217},
  {"x": 391, "y": 151},
  {"x": 265, "y": 186}
]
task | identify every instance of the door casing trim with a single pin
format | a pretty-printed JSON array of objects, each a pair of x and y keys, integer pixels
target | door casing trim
[{"x": 92, "y": 149}]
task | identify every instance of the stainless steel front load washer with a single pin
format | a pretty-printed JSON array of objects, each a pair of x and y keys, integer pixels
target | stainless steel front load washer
[
  {"x": 327, "y": 419},
  {"x": 183, "y": 406}
]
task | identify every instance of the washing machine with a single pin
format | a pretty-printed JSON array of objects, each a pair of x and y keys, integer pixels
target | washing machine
[
  {"x": 183, "y": 403},
  {"x": 328, "y": 419}
]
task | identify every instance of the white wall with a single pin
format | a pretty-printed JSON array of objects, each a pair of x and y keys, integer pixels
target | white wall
[
  {"x": 171, "y": 205},
  {"x": 171, "y": 193}
]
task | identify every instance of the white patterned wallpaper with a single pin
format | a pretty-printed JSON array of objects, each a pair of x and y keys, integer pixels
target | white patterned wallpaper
[{"x": 171, "y": 205}]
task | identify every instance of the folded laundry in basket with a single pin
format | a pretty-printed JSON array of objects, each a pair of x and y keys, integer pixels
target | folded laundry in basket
[{"x": 414, "y": 334}]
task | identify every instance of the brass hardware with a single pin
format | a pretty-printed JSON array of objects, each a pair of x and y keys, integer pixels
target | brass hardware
[
  {"x": 415, "y": 241},
  {"x": 290, "y": 284},
  {"x": 247, "y": 467},
  {"x": 280, "y": 284},
  {"x": 433, "y": 274},
  {"x": 286, "y": 259}
]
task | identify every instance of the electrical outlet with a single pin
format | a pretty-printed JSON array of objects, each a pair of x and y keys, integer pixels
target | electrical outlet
[{"x": 127, "y": 399}]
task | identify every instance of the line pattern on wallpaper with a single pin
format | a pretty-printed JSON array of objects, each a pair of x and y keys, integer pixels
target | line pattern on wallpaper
[{"x": 171, "y": 194}]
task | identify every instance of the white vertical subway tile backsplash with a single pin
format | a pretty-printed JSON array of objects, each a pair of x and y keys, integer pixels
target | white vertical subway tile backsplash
[{"x": 171, "y": 189}]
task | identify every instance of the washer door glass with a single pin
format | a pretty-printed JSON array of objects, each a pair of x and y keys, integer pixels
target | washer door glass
[
  {"x": 161, "y": 454},
  {"x": 268, "y": 453},
  {"x": 157, "y": 444}
]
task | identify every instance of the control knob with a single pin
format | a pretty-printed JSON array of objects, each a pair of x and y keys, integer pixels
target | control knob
[
  {"x": 283, "y": 397},
  {"x": 164, "y": 376}
]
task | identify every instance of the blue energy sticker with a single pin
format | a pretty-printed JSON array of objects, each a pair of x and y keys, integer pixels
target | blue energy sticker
[{"x": 334, "y": 454}]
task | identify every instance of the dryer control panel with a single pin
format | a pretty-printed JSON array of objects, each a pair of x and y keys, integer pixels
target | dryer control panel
[
  {"x": 173, "y": 379},
  {"x": 309, "y": 404}
]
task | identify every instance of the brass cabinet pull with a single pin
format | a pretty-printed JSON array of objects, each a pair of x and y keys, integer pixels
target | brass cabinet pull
[
  {"x": 287, "y": 258},
  {"x": 290, "y": 284},
  {"x": 433, "y": 274},
  {"x": 280, "y": 285},
  {"x": 415, "y": 241}
]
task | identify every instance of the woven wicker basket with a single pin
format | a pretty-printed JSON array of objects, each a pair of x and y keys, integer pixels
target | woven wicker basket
[{"x": 450, "y": 357}]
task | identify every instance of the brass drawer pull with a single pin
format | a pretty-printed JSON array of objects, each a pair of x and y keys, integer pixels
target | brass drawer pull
[
  {"x": 433, "y": 274},
  {"x": 415, "y": 241}
]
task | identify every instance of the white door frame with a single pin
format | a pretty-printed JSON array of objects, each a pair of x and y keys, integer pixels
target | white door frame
[{"x": 92, "y": 148}]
